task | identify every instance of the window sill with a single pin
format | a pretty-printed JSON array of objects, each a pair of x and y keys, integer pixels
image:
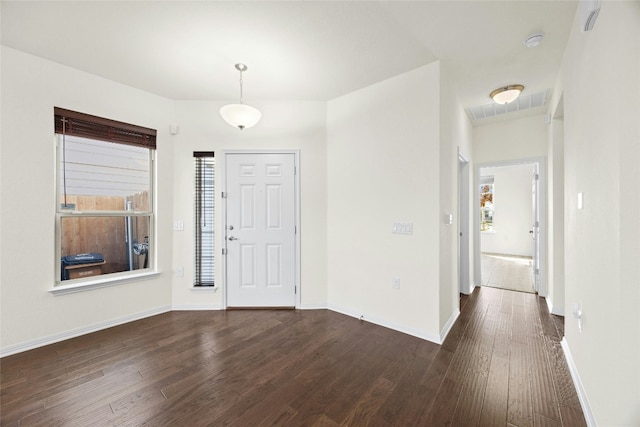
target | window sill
[
  {"x": 90, "y": 284},
  {"x": 204, "y": 288}
]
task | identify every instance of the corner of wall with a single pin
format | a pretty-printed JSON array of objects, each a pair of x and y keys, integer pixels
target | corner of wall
[{"x": 448, "y": 325}]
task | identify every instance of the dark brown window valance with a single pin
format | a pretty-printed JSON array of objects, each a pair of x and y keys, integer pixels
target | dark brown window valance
[
  {"x": 88, "y": 126},
  {"x": 203, "y": 154}
]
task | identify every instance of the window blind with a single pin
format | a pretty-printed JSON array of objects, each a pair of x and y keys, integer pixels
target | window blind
[
  {"x": 69, "y": 122},
  {"x": 204, "y": 218}
]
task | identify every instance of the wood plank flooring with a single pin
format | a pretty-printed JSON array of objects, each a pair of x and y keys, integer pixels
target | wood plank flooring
[{"x": 501, "y": 365}]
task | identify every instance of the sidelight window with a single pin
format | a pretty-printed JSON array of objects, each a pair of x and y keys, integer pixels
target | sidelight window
[{"x": 204, "y": 218}]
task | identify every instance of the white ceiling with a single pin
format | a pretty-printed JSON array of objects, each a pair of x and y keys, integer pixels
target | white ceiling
[{"x": 295, "y": 50}]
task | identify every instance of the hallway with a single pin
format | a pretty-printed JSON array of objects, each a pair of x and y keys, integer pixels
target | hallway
[{"x": 514, "y": 351}]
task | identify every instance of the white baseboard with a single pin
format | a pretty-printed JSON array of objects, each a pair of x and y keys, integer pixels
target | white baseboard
[
  {"x": 41, "y": 342},
  {"x": 577, "y": 382},
  {"x": 196, "y": 307},
  {"x": 549, "y": 304},
  {"x": 447, "y": 327},
  {"x": 382, "y": 322},
  {"x": 470, "y": 289},
  {"x": 558, "y": 311},
  {"x": 312, "y": 307}
]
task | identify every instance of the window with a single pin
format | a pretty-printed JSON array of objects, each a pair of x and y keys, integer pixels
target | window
[
  {"x": 104, "y": 207},
  {"x": 486, "y": 203},
  {"x": 204, "y": 218}
]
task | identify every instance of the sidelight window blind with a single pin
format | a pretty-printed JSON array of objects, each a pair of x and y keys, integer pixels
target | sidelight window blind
[{"x": 204, "y": 218}]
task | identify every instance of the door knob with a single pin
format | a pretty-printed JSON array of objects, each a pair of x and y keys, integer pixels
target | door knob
[{"x": 232, "y": 238}]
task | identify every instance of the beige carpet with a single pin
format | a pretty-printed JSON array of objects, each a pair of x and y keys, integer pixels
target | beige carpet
[{"x": 507, "y": 272}]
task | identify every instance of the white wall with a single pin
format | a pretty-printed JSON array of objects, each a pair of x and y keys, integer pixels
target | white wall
[
  {"x": 513, "y": 215},
  {"x": 455, "y": 137},
  {"x": 601, "y": 82},
  {"x": 31, "y": 87},
  {"x": 284, "y": 125},
  {"x": 510, "y": 140},
  {"x": 383, "y": 161}
]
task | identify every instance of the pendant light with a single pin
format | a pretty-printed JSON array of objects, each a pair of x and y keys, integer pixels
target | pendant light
[
  {"x": 241, "y": 116},
  {"x": 506, "y": 94}
]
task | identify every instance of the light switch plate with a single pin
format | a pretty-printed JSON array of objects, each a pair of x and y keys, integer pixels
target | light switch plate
[
  {"x": 402, "y": 228},
  {"x": 580, "y": 200}
]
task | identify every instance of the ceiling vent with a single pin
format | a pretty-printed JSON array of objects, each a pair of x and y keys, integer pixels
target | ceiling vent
[{"x": 524, "y": 102}]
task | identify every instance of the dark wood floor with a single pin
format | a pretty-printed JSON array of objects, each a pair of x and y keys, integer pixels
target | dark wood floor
[{"x": 501, "y": 365}]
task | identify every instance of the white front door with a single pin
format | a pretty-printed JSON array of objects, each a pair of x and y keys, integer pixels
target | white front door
[{"x": 260, "y": 229}]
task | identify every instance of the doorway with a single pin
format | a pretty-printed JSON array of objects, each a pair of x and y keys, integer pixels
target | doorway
[
  {"x": 510, "y": 227},
  {"x": 261, "y": 233}
]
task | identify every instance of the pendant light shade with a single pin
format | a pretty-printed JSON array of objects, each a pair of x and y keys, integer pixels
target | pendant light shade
[
  {"x": 241, "y": 116},
  {"x": 507, "y": 94}
]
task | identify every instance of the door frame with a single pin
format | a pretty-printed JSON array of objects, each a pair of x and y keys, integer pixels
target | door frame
[
  {"x": 465, "y": 284},
  {"x": 297, "y": 240},
  {"x": 542, "y": 208}
]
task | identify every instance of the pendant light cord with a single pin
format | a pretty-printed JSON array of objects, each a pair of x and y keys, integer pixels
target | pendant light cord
[{"x": 241, "y": 94}]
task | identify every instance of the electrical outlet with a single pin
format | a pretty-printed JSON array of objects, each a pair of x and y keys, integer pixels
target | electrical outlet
[
  {"x": 178, "y": 225},
  {"x": 180, "y": 271},
  {"x": 395, "y": 283}
]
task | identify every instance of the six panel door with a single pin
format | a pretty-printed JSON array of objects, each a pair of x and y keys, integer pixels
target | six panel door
[{"x": 260, "y": 230}]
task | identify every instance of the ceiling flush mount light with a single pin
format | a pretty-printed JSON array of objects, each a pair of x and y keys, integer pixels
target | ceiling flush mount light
[
  {"x": 506, "y": 94},
  {"x": 241, "y": 116},
  {"x": 589, "y": 10},
  {"x": 533, "y": 40}
]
